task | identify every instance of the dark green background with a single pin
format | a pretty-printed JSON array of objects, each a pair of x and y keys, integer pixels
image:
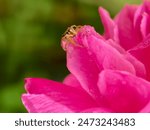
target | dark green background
[{"x": 30, "y": 33}]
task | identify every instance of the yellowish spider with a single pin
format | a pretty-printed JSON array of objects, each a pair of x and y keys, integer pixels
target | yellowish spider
[{"x": 70, "y": 33}]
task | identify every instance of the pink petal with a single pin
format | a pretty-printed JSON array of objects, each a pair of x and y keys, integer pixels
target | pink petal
[
  {"x": 61, "y": 94},
  {"x": 97, "y": 110},
  {"x": 116, "y": 46},
  {"x": 146, "y": 109},
  {"x": 109, "y": 25},
  {"x": 144, "y": 8},
  {"x": 124, "y": 21},
  {"x": 142, "y": 53},
  {"x": 138, "y": 66},
  {"x": 43, "y": 104},
  {"x": 84, "y": 68},
  {"x": 123, "y": 92},
  {"x": 139, "y": 21},
  {"x": 71, "y": 80},
  {"x": 145, "y": 26}
]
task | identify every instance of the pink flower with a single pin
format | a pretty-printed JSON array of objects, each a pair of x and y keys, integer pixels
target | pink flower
[{"x": 107, "y": 73}]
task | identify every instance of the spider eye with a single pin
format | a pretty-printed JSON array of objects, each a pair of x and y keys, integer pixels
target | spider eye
[
  {"x": 74, "y": 27},
  {"x": 67, "y": 33}
]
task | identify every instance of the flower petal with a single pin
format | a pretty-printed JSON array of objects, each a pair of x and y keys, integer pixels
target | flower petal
[
  {"x": 124, "y": 21},
  {"x": 84, "y": 68},
  {"x": 139, "y": 20},
  {"x": 145, "y": 26},
  {"x": 138, "y": 66},
  {"x": 56, "y": 92},
  {"x": 146, "y": 109},
  {"x": 142, "y": 53},
  {"x": 144, "y": 8},
  {"x": 123, "y": 92},
  {"x": 97, "y": 110},
  {"x": 111, "y": 31},
  {"x": 71, "y": 80},
  {"x": 116, "y": 46},
  {"x": 43, "y": 104}
]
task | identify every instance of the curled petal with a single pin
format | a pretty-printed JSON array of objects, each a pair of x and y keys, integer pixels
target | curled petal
[
  {"x": 139, "y": 21},
  {"x": 126, "y": 32},
  {"x": 144, "y": 8},
  {"x": 111, "y": 31},
  {"x": 145, "y": 26}
]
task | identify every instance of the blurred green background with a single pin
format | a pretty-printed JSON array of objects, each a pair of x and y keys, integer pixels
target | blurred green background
[{"x": 30, "y": 33}]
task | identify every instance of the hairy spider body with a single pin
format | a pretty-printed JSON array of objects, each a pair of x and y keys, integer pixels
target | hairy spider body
[{"x": 69, "y": 34}]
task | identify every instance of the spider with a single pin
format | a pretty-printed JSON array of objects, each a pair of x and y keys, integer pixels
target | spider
[{"x": 70, "y": 33}]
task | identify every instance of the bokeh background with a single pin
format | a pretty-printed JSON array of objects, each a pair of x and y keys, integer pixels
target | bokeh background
[{"x": 30, "y": 33}]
